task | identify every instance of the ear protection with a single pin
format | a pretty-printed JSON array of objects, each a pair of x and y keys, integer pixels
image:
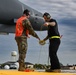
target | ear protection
[{"x": 47, "y": 15}]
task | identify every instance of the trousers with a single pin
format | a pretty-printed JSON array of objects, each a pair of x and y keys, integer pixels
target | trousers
[
  {"x": 22, "y": 49},
  {"x": 53, "y": 48}
]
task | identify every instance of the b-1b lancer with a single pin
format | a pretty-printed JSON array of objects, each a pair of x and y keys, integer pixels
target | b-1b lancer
[{"x": 11, "y": 10}]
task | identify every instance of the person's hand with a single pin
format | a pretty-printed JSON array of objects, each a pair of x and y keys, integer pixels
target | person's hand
[
  {"x": 46, "y": 24},
  {"x": 42, "y": 42}
]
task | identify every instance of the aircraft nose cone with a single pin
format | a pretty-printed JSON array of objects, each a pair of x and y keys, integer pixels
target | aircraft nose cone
[{"x": 37, "y": 22}]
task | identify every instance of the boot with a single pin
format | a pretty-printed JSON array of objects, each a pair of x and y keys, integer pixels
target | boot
[{"x": 55, "y": 70}]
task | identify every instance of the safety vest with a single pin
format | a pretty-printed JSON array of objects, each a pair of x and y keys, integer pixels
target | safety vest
[{"x": 20, "y": 28}]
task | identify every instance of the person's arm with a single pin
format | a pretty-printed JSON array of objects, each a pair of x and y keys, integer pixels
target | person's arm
[
  {"x": 27, "y": 25},
  {"x": 46, "y": 38},
  {"x": 49, "y": 23}
]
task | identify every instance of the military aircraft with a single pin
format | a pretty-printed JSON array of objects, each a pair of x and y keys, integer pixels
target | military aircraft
[{"x": 11, "y": 10}]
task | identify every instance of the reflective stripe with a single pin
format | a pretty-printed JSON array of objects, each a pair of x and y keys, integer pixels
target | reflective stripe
[{"x": 54, "y": 37}]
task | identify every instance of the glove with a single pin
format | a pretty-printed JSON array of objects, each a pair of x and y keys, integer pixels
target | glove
[{"x": 42, "y": 42}]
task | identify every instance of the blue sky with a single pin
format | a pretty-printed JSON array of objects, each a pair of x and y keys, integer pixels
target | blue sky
[{"x": 64, "y": 11}]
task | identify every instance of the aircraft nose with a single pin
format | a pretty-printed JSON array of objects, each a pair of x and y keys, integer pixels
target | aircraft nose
[{"x": 37, "y": 22}]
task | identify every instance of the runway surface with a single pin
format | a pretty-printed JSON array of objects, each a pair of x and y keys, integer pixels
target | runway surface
[{"x": 15, "y": 72}]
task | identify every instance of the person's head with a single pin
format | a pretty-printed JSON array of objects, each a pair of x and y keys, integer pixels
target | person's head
[
  {"x": 46, "y": 16},
  {"x": 26, "y": 12}
]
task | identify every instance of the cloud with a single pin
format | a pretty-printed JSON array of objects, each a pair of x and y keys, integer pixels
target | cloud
[
  {"x": 57, "y": 8},
  {"x": 64, "y": 11},
  {"x": 68, "y": 21}
]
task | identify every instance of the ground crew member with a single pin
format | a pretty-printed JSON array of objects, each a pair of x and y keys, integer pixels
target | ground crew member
[
  {"x": 23, "y": 30},
  {"x": 54, "y": 42}
]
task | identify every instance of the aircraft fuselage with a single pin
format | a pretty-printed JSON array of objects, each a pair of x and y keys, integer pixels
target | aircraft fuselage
[{"x": 11, "y": 10}]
